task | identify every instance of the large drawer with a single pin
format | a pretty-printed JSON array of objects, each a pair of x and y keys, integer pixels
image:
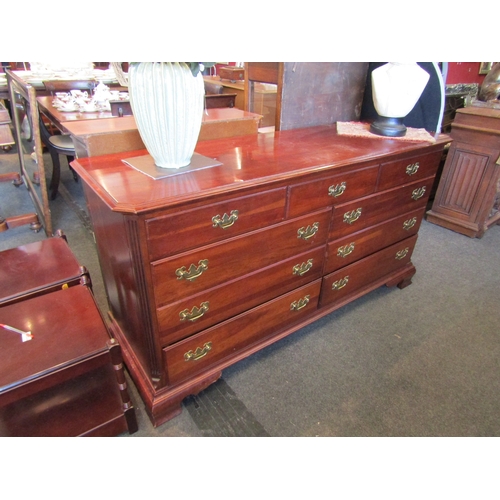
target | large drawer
[
  {"x": 351, "y": 248},
  {"x": 210, "y": 347},
  {"x": 365, "y": 212},
  {"x": 350, "y": 279},
  {"x": 331, "y": 190},
  {"x": 207, "y": 308},
  {"x": 171, "y": 234},
  {"x": 399, "y": 172},
  {"x": 193, "y": 272}
]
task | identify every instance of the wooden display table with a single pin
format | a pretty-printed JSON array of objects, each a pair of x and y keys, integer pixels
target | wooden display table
[
  {"x": 205, "y": 267},
  {"x": 115, "y": 135},
  {"x": 468, "y": 195}
]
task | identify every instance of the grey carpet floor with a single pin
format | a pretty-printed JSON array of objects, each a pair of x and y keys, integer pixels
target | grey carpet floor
[{"x": 423, "y": 361}]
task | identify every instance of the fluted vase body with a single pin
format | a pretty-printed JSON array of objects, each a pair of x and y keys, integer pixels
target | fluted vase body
[{"x": 167, "y": 102}]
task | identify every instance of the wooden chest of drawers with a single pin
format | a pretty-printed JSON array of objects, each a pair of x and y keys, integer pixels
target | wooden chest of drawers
[{"x": 205, "y": 267}]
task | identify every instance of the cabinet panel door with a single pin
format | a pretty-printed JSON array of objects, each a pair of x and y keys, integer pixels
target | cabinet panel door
[{"x": 467, "y": 175}]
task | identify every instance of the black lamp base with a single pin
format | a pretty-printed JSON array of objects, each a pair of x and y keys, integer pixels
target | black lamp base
[{"x": 389, "y": 127}]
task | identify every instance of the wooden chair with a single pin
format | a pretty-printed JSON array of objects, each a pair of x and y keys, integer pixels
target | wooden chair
[{"x": 60, "y": 144}]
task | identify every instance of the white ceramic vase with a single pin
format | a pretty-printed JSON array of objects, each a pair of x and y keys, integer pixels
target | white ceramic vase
[{"x": 167, "y": 102}]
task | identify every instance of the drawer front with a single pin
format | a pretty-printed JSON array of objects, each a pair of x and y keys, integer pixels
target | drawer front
[
  {"x": 206, "y": 349},
  {"x": 215, "y": 222},
  {"x": 193, "y": 314},
  {"x": 358, "y": 245},
  {"x": 193, "y": 272},
  {"x": 332, "y": 190},
  {"x": 365, "y": 212},
  {"x": 399, "y": 172},
  {"x": 350, "y": 279}
]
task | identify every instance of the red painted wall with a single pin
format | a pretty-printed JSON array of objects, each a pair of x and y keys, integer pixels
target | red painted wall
[{"x": 464, "y": 72}]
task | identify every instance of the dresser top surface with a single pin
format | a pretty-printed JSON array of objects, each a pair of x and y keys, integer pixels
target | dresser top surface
[{"x": 245, "y": 162}]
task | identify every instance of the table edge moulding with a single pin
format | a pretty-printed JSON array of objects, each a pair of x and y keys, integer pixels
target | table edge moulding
[{"x": 334, "y": 217}]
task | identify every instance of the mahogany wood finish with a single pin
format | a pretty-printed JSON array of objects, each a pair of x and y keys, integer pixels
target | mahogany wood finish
[
  {"x": 38, "y": 268},
  {"x": 68, "y": 379},
  {"x": 468, "y": 195},
  {"x": 204, "y": 268}
]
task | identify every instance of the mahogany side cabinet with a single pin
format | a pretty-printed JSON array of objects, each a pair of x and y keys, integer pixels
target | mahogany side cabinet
[
  {"x": 66, "y": 377},
  {"x": 468, "y": 195},
  {"x": 204, "y": 267}
]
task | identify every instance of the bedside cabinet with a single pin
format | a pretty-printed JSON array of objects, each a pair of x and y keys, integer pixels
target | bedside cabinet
[{"x": 205, "y": 267}]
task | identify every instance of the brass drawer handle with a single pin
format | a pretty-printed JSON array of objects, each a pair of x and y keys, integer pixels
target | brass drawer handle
[
  {"x": 412, "y": 168},
  {"x": 297, "y": 305},
  {"x": 195, "y": 313},
  {"x": 418, "y": 193},
  {"x": 308, "y": 232},
  {"x": 402, "y": 253},
  {"x": 337, "y": 190},
  {"x": 345, "y": 250},
  {"x": 226, "y": 220},
  {"x": 301, "y": 269},
  {"x": 193, "y": 272},
  {"x": 337, "y": 285},
  {"x": 408, "y": 224},
  {"x": 198, "y": 353},
  {"x": 353, "y": 216}
]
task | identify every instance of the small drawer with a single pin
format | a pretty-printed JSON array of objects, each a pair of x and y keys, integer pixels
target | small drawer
[
  {"x": 352, "y": 278},
  {"x": 331, "y": 190},
  {"x": 193, "y": 272},
  {"x": 358, "y": 245},
  {"x": 400, "y": 172},
  {"x": 195, "y": 313},
  {"x": 365, "y": 212},
  {"x": 215, "y": 222},
  {"x": 218, "y": 344}
]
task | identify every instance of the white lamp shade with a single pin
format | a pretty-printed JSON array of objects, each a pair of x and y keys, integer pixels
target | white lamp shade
[{"x": 397, "y": 87}]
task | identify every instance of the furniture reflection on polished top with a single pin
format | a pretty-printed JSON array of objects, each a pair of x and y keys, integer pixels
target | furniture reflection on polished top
[
  {"x": 468, "y": 195},
  {"x": 264, "y": 97},
  {"x": 60, "y": 118},
  {"x": 68, "y": 378},
  {"x": 114, "y": 135},
  {"x": 205, "y": 267}
]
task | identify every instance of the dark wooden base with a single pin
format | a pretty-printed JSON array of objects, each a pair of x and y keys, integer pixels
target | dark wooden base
[{"x": 467, "y": 228}]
